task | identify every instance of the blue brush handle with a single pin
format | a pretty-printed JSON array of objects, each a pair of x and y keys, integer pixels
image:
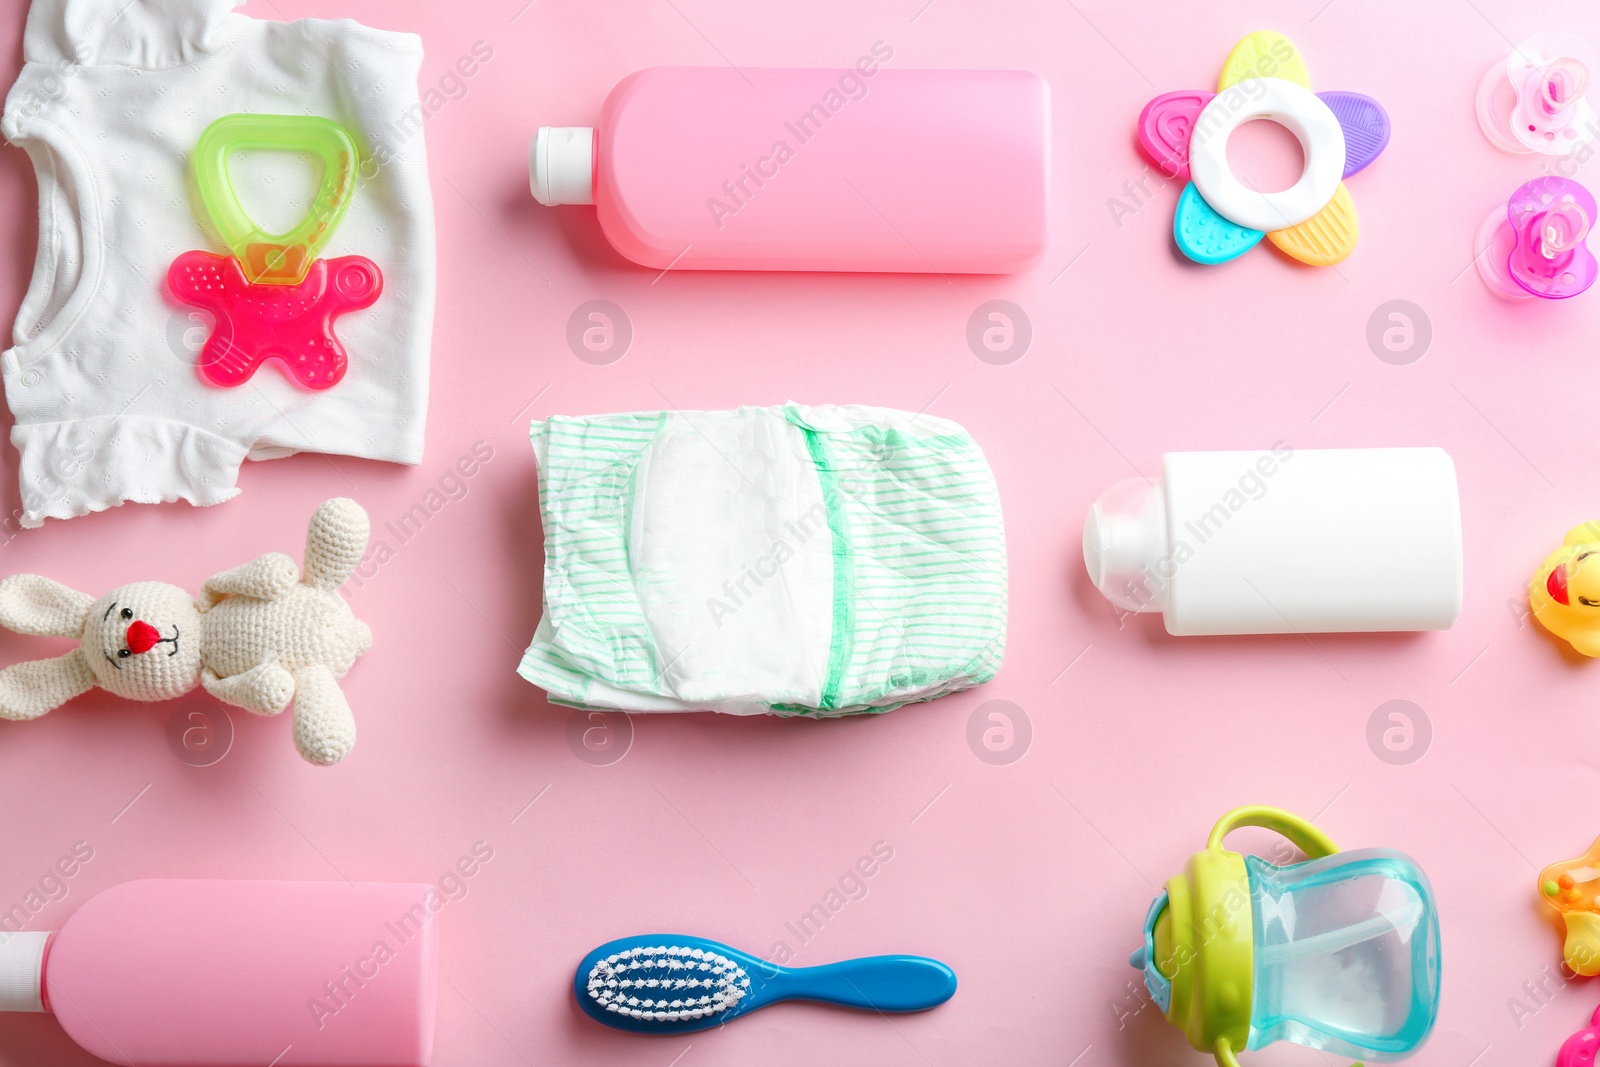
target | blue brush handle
[{"x": 875, "y": 983}]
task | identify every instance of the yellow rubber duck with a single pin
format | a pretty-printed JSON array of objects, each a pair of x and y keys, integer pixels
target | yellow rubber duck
[{"x": 1565, "y": 591}]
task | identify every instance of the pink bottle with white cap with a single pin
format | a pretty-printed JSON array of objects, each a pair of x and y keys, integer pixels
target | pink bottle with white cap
[
  {"x": 865, "y": 168},
  {"x": 166, "y": 973}
]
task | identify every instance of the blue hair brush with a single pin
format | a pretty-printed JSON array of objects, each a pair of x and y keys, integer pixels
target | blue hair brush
[{"x": 671, "y": 984}]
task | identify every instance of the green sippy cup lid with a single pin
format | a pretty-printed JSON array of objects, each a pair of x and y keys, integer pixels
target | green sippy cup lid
[{"x": 1199, "y": 954}]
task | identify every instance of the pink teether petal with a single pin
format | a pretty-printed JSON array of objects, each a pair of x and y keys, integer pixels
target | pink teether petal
[
  {"x": 1165, "y": 125},
  {"x": 290, "y": 323}
]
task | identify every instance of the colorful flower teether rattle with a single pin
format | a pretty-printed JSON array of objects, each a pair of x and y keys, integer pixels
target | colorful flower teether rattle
[
  {"x": 1219, "y": 218},
  {"x": 1572, "y": 887},
  {"x": 1564, "y": 596},
  {"x": 1536, "y": 243},
  {"x": 273, "y": 298},
  {"x": 1537, "y": 99}
]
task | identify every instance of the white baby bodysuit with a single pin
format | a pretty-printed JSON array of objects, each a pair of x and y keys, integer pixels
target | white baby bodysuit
[{"x": 110, "y": 405}]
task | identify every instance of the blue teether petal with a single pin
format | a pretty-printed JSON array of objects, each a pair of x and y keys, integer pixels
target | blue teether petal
[
  {"x": 1205, "y": 236},
  {"x": 1365, "y": 125}
]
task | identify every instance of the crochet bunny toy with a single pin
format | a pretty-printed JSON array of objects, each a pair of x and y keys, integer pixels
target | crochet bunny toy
[{"x": 260, "y": 635}]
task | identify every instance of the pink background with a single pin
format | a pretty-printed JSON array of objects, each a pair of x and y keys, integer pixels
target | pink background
[{"x": 1030, "y": 879}]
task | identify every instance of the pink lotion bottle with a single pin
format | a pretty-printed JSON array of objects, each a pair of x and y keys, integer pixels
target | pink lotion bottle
[
  {"x": 868, "y": 168},
  {"x": 165, "y": 973}
]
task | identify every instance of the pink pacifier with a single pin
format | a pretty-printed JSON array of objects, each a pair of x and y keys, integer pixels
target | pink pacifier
[
  {"x": 272, "y": 298},
  {"x": 1538, "y": 99},
  {"x": 1536, "y": 245}
]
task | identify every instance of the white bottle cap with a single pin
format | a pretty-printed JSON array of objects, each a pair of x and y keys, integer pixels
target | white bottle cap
[
  {"x": 22, "y": 970},
  {"x": 562, "y": 165},
  {"x": 1124, "y": 545}
]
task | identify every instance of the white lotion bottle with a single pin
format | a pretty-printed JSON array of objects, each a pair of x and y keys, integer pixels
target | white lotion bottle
[{"x": 1284, "y": 541}]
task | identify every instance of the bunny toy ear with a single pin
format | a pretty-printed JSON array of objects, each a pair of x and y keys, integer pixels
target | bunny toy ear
[
  {"x": 33, "y": 604},
  {"x": 28, "y": 690}
]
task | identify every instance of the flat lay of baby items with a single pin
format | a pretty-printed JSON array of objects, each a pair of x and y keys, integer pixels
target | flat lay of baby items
[
  {"x": 273, "y": 298},
  {"x": 1339, "y": 952},
  {"x": 1284, "y": 541},
  {"x": 1564, "y": 594},
  {"x": 672, "y": 984},
  {"x": 1539, "y": 99},
  {"x": 785, "y": 560},
  {"x": 259, "y": 637},
  {"x": 113, "y": 376},
  {"x": 868, "y": 168},
  {"x": 1220, "y": 217},
  {"x": 1536, "y": 244},
  {"x": 176, "y": 973},
  {"x": 1572, "y": 888}
]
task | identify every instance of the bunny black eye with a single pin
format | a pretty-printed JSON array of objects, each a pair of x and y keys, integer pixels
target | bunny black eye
[
  {"x": 127, "y": 613},
  {"x": 123, "y": 653}
]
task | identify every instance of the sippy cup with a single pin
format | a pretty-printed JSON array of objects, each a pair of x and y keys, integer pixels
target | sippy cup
[{"x": 1339, "y": 952}]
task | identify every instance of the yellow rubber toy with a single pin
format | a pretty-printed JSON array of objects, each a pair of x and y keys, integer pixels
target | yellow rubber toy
[
  {"x": 1565, "y": 592},
  {"x": 1572, "y": 887}
]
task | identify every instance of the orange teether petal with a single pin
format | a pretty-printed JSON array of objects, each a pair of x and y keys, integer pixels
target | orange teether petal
[{"x": 1326, "y": 237}]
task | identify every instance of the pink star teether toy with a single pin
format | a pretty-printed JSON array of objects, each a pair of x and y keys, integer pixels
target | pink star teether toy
[
  {"x": 1219, "y": 218},
  {"x": 273, "y": 298},
  {"x": 1536, "y": 244},
  {"x": 293, "y": 323}
]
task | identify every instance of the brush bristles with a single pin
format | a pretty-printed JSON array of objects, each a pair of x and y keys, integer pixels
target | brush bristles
[{"x": 667, "y": 984}]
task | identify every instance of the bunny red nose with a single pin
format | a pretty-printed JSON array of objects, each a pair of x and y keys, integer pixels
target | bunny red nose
[{"x": 142, "y": 637}]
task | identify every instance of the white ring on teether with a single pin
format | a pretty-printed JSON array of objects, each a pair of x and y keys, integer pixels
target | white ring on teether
[{"x": 1300, "y": 112}]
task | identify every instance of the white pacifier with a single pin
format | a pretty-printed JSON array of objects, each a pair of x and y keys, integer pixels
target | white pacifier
[{"x": 1539, "y": 99}]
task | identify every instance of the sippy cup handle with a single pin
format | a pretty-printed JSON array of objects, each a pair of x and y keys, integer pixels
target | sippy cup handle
[{"x": 1307, "y": 838}]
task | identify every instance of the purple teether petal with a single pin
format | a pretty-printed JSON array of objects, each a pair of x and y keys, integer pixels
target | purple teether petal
[
  {"x": 1164, "y": 128},
  {"x": 1365, "y": 124},
  {"x": 1552, "y": 218}
]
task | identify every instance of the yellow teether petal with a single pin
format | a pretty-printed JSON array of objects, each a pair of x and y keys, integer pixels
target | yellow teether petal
[
  {"x": 1326, "y": 237},
  {"x": 1264, "y": 54},
  {"x": 1582, "y": 949}
]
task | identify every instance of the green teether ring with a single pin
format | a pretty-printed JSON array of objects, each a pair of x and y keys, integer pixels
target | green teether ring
[{"x": 272, "y": 258}]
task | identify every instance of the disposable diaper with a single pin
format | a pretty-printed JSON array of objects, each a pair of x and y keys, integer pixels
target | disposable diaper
[{"x": 792, "y": 560}]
